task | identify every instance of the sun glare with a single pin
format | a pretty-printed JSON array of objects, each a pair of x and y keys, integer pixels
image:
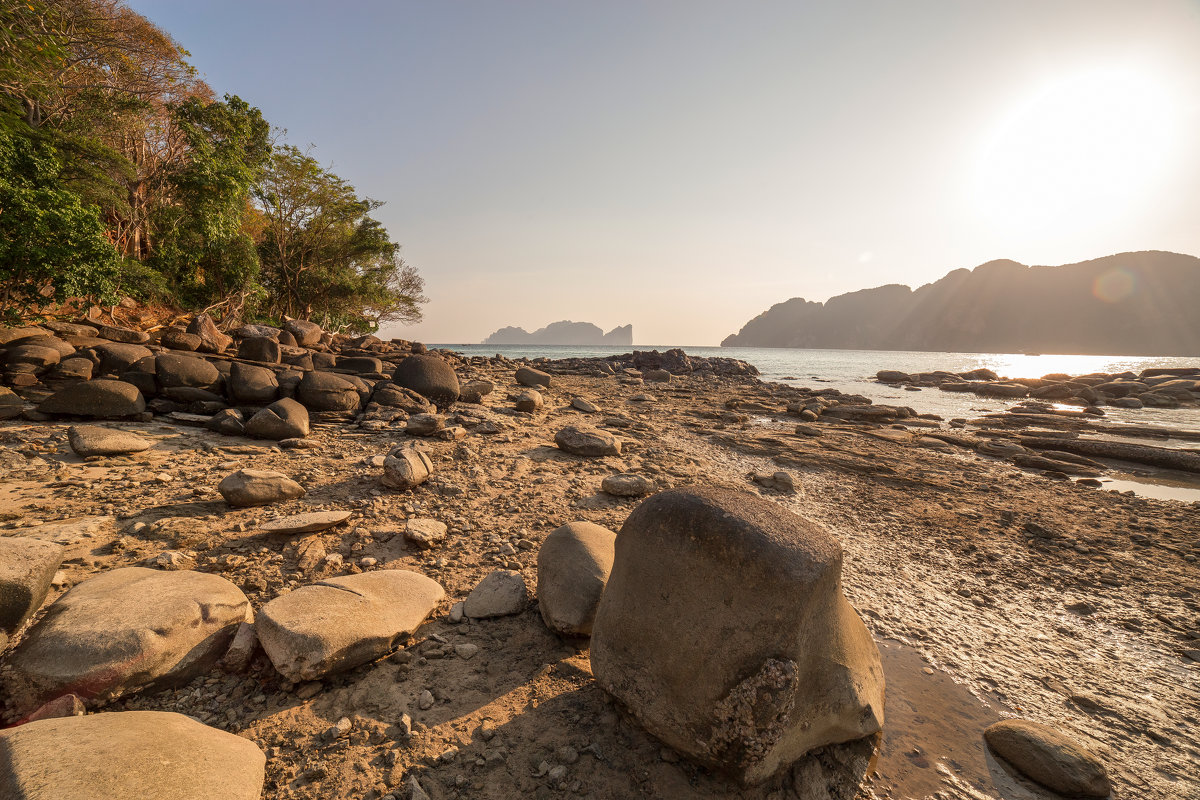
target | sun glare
[{"x": 1082, "y": 151}]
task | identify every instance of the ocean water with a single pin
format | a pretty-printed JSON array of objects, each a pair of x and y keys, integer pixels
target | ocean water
[{"x": 853, "y": 371}]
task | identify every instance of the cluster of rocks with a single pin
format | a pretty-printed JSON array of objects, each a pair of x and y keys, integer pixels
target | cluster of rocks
[{"x": 1159, "y": 387}]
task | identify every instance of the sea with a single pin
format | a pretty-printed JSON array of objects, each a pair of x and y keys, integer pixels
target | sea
[{"x": 853, "y": 371}]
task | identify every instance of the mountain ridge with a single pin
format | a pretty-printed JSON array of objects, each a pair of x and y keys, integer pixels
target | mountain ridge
[{"x": 1136, "y": 303}]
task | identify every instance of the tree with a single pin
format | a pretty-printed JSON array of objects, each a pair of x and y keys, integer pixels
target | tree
[
  {"x": 205, "y": 248},
  {"x": 51, "y": 245},
  {"x": 322, "y": 253}
]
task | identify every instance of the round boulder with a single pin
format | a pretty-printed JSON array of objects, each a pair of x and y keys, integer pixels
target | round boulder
[
  {"x": 724, "y": 631},
  {"x": 627, "y": 484},
  {"x": 306, "y": 333},
  {"x": 572, "y": 567},
  {"x": 250, "y": 384},
  {"x": 430, "y": 377},
  {"x": 283, "y": 419},
  {"x": 324, "y": 391}
]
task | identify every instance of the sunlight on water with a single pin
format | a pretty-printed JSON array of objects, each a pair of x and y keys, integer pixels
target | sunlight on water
[{"x": 1017, "y": 365}]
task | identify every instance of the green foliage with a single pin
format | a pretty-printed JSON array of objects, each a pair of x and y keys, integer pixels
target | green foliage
[
  {"x": 52, "y": 246},
  {"x": 204, "y": 247},
  {"x": 323, "y": 255}
]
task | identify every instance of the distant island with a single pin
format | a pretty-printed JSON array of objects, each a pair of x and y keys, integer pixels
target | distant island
[
  {"x": 565, "y": 332},
  {"x": 1142, "y": 303}
]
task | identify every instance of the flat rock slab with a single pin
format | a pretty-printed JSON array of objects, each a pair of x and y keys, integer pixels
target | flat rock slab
[
  {"x": 311, "y": 522},
  {"x": 27, "y": 568},
  {"x": 342, "y": 622},
  {"x": 425, "y": 533},
  {"x": 134, "y": 755},
  {"x": 500, "y": 594},
  {"x": 127, "y": 630},
  {"x": 68, "y": 532},
  {"x": 1048, "y": 757},
  {"x": 94, "y": 440},
  {"x": 627, "y": 484}
]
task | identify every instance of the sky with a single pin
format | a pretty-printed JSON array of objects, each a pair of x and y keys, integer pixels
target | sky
[{"x": 684, "y": 165}]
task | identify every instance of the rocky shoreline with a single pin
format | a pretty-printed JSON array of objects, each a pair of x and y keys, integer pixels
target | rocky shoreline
[{"x": 966, "y": 542}]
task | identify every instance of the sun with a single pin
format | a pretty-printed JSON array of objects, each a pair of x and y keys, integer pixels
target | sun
[{"x": 1085, "y": 150}]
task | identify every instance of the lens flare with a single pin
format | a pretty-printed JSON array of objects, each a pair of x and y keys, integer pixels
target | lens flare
[{"x": 1115, "y": 285}]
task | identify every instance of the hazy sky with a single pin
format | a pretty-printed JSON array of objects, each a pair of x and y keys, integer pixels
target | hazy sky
[{"x": 684, "y": 165}]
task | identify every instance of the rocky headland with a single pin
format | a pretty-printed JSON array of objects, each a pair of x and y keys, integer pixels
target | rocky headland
[
  {"x": 1126, "y": 304},
  {"x": 300, "y": 565},
  {"x": 564, "y": 332}
]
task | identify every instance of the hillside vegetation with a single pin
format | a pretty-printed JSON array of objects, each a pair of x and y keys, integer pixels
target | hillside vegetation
[{"x": 122, "y": 174}]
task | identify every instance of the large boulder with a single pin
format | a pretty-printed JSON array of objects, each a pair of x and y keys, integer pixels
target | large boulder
[
  {"x": 573, "y": 565},
  {"x": 27, "y": 567},
  {"x": 259, "y": 348},
  {"x": 430, "y": 377},
  {"x": 93, "y": 440},
  {"x": 724, "y": 631},
  {"x": 258, "y": 487},
  {"x": 324, "y": 391},
  {"x": 584, "y": 440},
  {"x": 180, "y": 339},
  {"x": 306, "y": 333},
  {"x": 135, "y": 755},
  {"x": 174, "y": 371},
  {"x": 115, "y": 358},
  {"x": 211, "y": 338},
  {"x": 31, "y": 358},
  {"x": 1048, "y": 757},
  {"x": 250, "y": 384},
  {"x": 406, "y": 467},
  {"x": 124, "y": 335},
  {"x": 97, "y": 399},
  {"x": 283, "y": 419},
  {"x": 127, "y": 630},
  {"x": 342, "y": 622}
]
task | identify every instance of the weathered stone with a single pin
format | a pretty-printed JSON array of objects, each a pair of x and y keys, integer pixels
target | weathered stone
[
  {"x": 325, "y": 391},
  {"x": 283, "y": 419},
  {"x": 76, "y": 368},
  {"x": 584, "y": 405},
  {"x": 257, "y": 487},
  {"x": 724, "y": 631},
  {"x": 360, "y": 364},
  {"x": 529, "y": 401},
  {"x": 425, "y": 533},
  {"x": 93, "y": 440},
  {"x": 475, "y": 391},
  {"x": 11, "y": 404},
  {"x": 36, "y": 359},
  {"x": 259, "y": 348},
  {"x": 250, "y": 384},
  {"x": 228, "y": 421},
  {"x": 430, "y": 377},
  {"x": 626, "y": 484},
  {"x": 97, "y": 399},
  {"x": 406, "y": 467},
  {"x": 342, "y": 622},
  {"x": 179, "y": 339},
  {"x": 27, "y": 568},
  {"x": 500, "y": 594},
  {"x": 305, "y": 333},
  {"x": 309, "y": 522},
  {"x": 134, "y": 755},
  {"x": 115, "y": 358},
  {"x": 1048, "y": 757},
  {"x": 583, "y": 440},
  {"x": 122, "y": 335},
  {"x": 424, "y": 425},
  {"x": 528, "y": 376},
  {"x": 211, "y": 338},
  {"x": 393, "y": 396},
  {"x": 127, "y": 630},
  {"x": 572, "y": 567}
]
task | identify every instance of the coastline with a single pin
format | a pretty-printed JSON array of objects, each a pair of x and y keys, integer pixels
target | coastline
[{"x": 1043, "y": 597}]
